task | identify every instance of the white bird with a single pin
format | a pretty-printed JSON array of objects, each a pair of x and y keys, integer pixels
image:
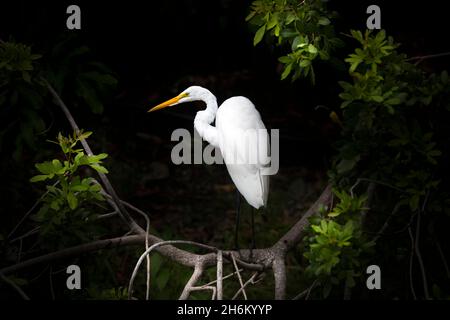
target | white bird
[{"x": 240, "y": 135}]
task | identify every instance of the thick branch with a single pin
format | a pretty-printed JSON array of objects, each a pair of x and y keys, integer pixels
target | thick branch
[
  {"x": 292, "y": 238},
  {"x": 196, "y": 275},
  {"x": 180, "y": 256},
  {"x": 279, "y": 274},
  {"x": 295, "y": 234},
  {"x": 262, "y": 258}
]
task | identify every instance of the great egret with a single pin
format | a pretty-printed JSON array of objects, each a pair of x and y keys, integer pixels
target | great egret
[{"x": 240, "y": 135}]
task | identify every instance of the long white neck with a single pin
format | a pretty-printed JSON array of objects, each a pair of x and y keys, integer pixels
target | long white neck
[{"x": 204, "y": 118}]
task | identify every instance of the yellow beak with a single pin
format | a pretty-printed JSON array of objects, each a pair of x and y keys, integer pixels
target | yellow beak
[{"x": 168, "y": 103}]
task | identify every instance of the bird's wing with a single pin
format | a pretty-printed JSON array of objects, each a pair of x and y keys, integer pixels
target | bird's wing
[{"x": 244, "y": 143}]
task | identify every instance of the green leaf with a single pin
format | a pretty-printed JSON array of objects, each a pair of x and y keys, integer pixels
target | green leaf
[
  {"x": 305, "y": 63},
  {"x": 156, "y": 263},
  {"x": 45, "y": 167},
  {"x": 162, "y": 278},
  {"x": 99, "y": 168},
  {"x": 357, "y": 35},
  {"x": 327, "y": 289},
  {"x": 98, "y": 157},
  {"x": 276, "y": 31},
  {"x": 324, "y": 226},
  {"x": 273, "y": 22},
  {"x": 77, "y": 158},
  {"x": 334, "y": 213},
  {"x": 287, "y": 71},
  {"x": 95, "y": 188},
  {"x": 259, "y": 35},
  {"x": 39, "y": 177},
  {"x": 378, "y": 99},
  {"x": 324, "y": 21},
  {"x": 346, "y": 165},
  {"x": 250, "y": 16},
  {"x": 55, "y": 204},
  {"x": 26, "y": 76},
  {"x": 90, "y": 97},
  {"x": 444, "y": 76},
  {"x": 434, "y": 153},
  {"x": 290, "y": 18},
  {"x": 414, "y": 202},
  {"x": 57, "y": 165},
  {"x": 84, "y": 135},
  {"x": 72, "y": 201},
  {"x": 79, "y": 187},
  {"x": 298, "y": 40},
  {"x": 284, "y": 59},
  {"x": 312, "y": 49}
]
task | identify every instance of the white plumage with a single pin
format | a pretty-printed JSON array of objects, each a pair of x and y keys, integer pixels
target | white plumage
[{"x": 240, "y": 135}]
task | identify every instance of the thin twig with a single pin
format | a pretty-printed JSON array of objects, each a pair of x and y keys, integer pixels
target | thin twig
[
  {"x": 224, "y": 278},
  {"x": 251, "y": 280},
  {"x": 382, "y": 184},
  {"x": 263, "y": 258},
  {"x": 52, "y": 291},
  {"x": 25, "y": 216},
  {"x": 429, "y": 56},
  {"x": 74, "y": 251},
  {"x": 147, "y": 231},
  {"x": 107, "y": 215},
  {"x": 443, "y": 258},
  {"x": 219, "y": 275},
  {"x": 213, "y": 289},
  {"x": 354, "y": 186},
  {"x": 411, "y": 261},
  {"x": 239, "y": 276},
  {"x": 159, "y": 244},
  {"x": 14, "y": 286},
  {"x": 419, "y": 258},
  {"x": 26, "y": 234},
  {"x": 386, "y": 223},
  {"x": 106, "y": 183},
  {"x": 308, "y": 293},
  {"x": 19, "y": 252}
]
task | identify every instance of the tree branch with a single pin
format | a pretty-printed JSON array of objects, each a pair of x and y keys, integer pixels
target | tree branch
[
  {"x": 109, "y": 188},
  {"x": 419, "y": 258},
  {"x": 263, "y": 258},
  {"x": 295, "y": 234},
  {"x": 429, "y": 56},
  {"x": 219, "y": 284},
  {"x": 239, "y": 277},
  {"x": 279, "y": 274},
  {"x": 14, "y": 286},
  {"x": 251, "y": 280},
  {"x": 196, "y": 275}
]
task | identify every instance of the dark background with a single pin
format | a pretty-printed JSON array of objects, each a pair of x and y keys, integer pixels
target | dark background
[{"x": 158, "y": 48}]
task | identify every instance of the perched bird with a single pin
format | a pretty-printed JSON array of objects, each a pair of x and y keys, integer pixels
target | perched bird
[{"x": 240, "y": 135}]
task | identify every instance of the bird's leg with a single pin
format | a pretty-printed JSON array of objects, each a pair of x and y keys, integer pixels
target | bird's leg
[
  {"x": 236, "y": 231},
  {"x": 253, "y": 235}
]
